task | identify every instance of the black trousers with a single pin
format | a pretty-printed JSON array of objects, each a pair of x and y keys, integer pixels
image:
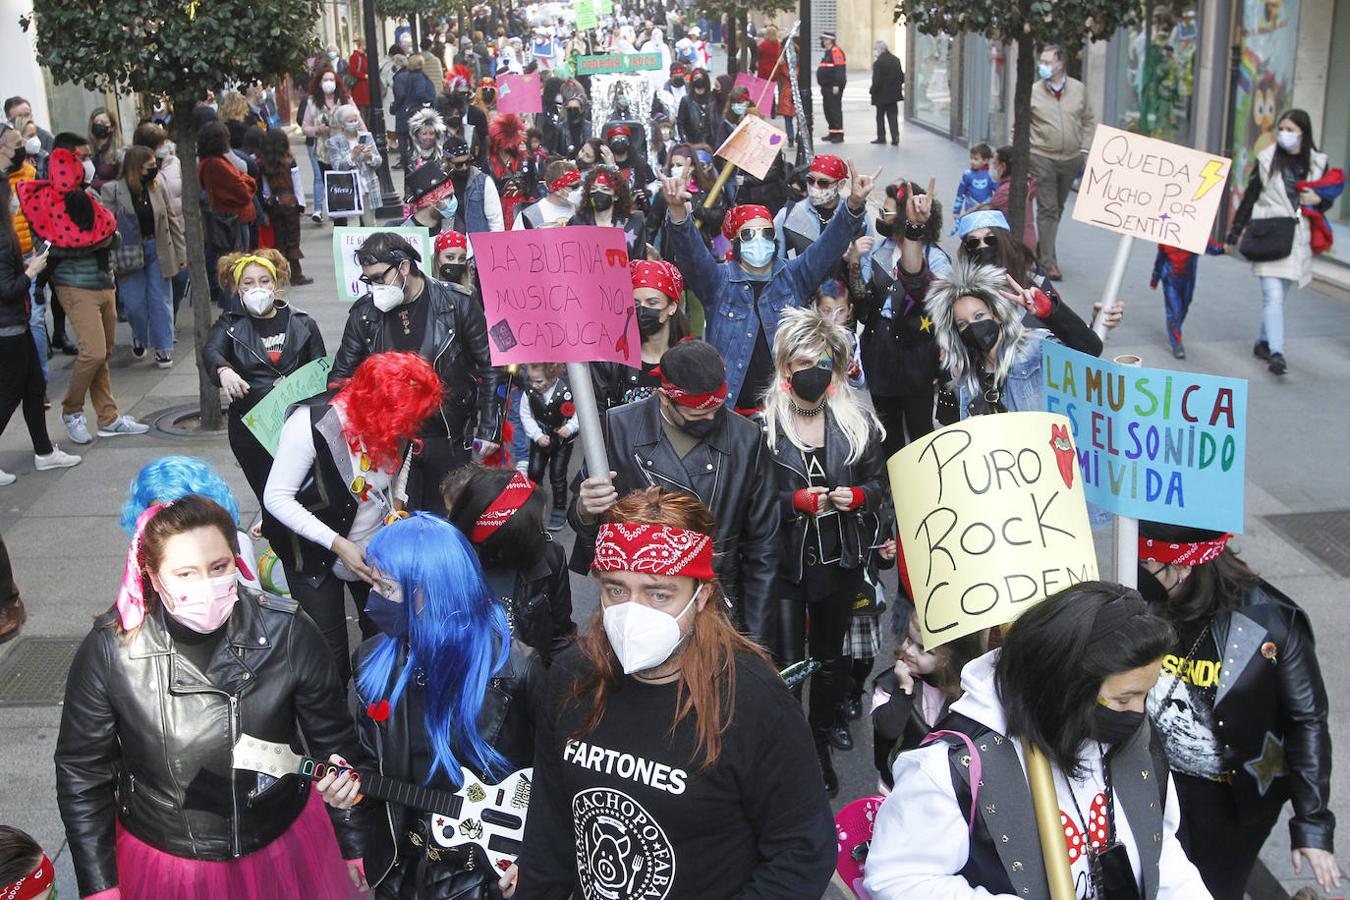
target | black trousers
[
  {"x": 1223, "y": 847},
  {"x": 556, "y": 457},
  {"x": 833, "y": 105},
  {"x": 888, "y": 112},
  {"x": 9, "y": 591},
  {"x": 22, "y": 384},
  {"x": 252, "y": 457},
  {"x": 439, "y": 457},
  {"x": 324, "y": 604},
  {"x": 906, "y": 418},
  {"x": 827, "y": 620}
]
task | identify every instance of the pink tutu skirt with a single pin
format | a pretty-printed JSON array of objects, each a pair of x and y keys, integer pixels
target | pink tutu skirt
[{"x": 305, "y": 862}]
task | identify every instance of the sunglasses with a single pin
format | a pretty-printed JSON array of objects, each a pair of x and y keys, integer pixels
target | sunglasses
[
  {"x": 973, "y": 244},
  {"x": 369, "y": 280},
  {"x": 750, "y": 234},
  {"x": 821, "y": 182},
  {"x": 460, "y": 165}
]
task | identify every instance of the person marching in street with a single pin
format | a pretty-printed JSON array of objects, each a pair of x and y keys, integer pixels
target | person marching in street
[
  {"x": 831, "y": 480},
  {"x": 657, "y": 288},
  {"x": 559, "y": 205},
  {"x": 1062, "y": 124},
  {"x": 480, "y": 205},
  {"x": 831, "y": 75},
  {"x": 254, "y": 344},
  {"x": 1177, "y": 269},
  {"x": 452, "y": 261},
  {"x": 725, "y": 797},
  {"x": 549, "y": 417},
  {"x": 1241, "y": 709},
  {"x": 430, "y": 194}
]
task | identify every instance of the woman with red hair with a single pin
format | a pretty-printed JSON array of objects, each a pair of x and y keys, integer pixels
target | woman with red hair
[
  {"x": 340, "y": 473},
  {"x": 510, "y": 164}
]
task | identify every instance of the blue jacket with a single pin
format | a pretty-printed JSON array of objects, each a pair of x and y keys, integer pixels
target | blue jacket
[
  {"x": 728, "y": 299},
  {"x": 976, "y": 189}
]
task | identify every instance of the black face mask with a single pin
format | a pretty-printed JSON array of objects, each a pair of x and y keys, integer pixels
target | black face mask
[
  {"x": 151, "y": 175},
  {"x": 575, "y": 114},
  {"x": 489, "y": 96},
  {"x": 453, "y": 271},
  {"x": 980, "y": 337},
  {"x": 677, "y": 82},
  {"x": 884, "y": 228},
  {"x": 649, "y": 321},
  {"x": 811, "y": 384},
  {"x": 985, "y": 256},
  {"x": 620, "y": 147},
  {"x": 1154, "y": 591},
  {"x": 602, "y": 202},
  {"x": 701, "y": 428},
  {"x": 583, "y": 165},
  {"x": 700, "y": 85},
  {"x": 20, "y": 154},
  {"x": 1114, "y": 726},
  {"x": 101, "y": 131}
]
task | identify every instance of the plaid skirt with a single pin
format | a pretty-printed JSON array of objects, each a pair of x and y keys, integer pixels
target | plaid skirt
[{"x": 863, "y": 640}]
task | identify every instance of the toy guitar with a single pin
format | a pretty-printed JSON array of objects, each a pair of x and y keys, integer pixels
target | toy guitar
[{"x": 489, "y": 815}]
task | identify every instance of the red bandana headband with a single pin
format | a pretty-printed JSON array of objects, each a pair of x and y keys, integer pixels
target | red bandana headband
[
  {"x": 658, "y": 274},
  {"x": 451, "y": 240},
  {"x": 1181, "y": 554},
  {"x": 739, "y": 215},
  {"x": 830, "y": 167},
  {"x": 500, "y": 511},
  {"x": 35, "y": 883},
  {"x": 604, "y": 179},
  {"x": 564, "y": 181},
  {"x": 688, "y": 399},
  {"x": 653, "y": 550}
]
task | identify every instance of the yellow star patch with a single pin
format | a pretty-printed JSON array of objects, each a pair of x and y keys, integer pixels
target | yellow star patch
[
  {"x": 925, "y": 324},
  {"x": 1269, "y": 765}
]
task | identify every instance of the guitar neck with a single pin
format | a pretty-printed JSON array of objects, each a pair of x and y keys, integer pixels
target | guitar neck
[{"x": 391, "y": 790}]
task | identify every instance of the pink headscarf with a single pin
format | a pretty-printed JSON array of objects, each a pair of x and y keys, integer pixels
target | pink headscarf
[{"x": 131, "y": 595}]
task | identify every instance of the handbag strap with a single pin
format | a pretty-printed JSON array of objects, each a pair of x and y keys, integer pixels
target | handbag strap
[{"x": 976, "y": 768}]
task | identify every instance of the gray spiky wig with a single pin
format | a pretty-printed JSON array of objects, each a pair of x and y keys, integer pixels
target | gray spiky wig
[{"x": 968, "y": 279}]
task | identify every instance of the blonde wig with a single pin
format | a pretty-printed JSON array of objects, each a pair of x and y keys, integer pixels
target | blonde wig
[{"x": 968, "y": 279}]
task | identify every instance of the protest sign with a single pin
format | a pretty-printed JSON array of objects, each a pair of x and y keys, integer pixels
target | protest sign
[
  {"x": 342, "y": 192},
  {"x": 585, "y": 10},
  {"x": 345, "y": 244},
  {"x": 520, "y": 94},
  {"x": 991, "y": 520},
  {"x": 604, "y": 7},
  {"x": 1147, "y": 188},
  {"x": 558, "y": 295},
  {"x": 753, "y": 146},
  {"x": 761, "y": 92},
  {"x": 612, "y": 63},
  {"x": 269, "y": 414},
  {"x": 1153, "y": 443}
]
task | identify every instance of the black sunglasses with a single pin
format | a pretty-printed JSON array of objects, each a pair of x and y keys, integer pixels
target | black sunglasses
[
  {"x": 821, "y": 182},
  {"x": 973, "y": 244},
  {"x": 368, "y": 280},
  {"x": 749, "y": 234}
]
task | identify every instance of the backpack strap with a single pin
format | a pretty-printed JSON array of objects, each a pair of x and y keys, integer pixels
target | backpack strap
[{"x": 976, "y": 769}]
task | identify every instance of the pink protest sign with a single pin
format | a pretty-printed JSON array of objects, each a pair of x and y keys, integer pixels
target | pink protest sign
[
  {"x": 557, "y": 295},
  {"x": 762, "y": 92},
  {"x": 520, "y": 94}
]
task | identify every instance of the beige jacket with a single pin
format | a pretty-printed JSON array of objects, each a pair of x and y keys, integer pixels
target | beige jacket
[
  {"x": 170, "y": 243},
  {"x": 1060, "y": 126},
  {"x": 1273, "y": 203},
  {"x": 435, "y": 70}
]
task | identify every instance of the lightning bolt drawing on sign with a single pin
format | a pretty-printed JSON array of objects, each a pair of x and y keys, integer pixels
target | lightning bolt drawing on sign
[{"x": 1210, "y": 176}]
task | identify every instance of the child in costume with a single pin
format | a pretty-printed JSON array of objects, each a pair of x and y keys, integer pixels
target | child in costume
[
  {"x": 1176, "y": 269},
  {"x": 977, "y": 185},
  {"x": 549, "y": 417}
]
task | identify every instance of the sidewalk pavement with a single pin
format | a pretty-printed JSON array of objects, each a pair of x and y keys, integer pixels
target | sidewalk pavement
[{"x": 68, "y": 551}]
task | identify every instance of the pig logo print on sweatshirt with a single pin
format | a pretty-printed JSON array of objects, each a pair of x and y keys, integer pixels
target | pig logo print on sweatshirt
[{"x": 622, "y": 852}]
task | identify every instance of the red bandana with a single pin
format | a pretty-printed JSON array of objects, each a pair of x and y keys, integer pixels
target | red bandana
[
  {"x": 500, "y": 511},
  {"x": 604, "y": 179},
  {"x": 657, "y": 274},
  {"x": 653, "y": 550},
  {"x": 451, "y": 240},
  {"x": 618, "y": 131},
  {"x": 564, "y": 181},
  {"x": 39, "y": 881},
  {"x": 1182, "y": 554},
  {"x": 705, "y": 400},
  {"x": 739, "y": 215},
  {"x": 830, "y": 167}
]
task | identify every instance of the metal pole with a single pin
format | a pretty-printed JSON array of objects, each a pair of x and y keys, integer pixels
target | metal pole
[
  {"x": 1045, "y": 804},
  {"x": 1127, "y": 529},
  {"x": 389, "y": 199},
  {"x": 588, "y": 417},
  {"x": 1111, "y": 295}
]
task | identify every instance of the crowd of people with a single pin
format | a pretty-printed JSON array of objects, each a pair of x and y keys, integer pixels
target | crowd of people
[{"x": 796, "y": 329}]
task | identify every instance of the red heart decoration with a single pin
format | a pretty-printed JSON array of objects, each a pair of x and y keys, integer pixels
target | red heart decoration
[{"x": 378, "y": 711}]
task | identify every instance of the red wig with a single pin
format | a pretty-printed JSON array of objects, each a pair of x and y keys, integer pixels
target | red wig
[
  {"x": 386, "y": 401},
  {"x": 506, "y": 132}
]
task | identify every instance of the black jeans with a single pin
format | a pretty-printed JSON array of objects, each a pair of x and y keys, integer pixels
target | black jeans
[
  {"x": 906, "y": 419},
  {"x": 22, "y": 384},
  {"x": 556, "y": 458},
  {"x": 252, "y": 457},
  {"x": 1223, "y": 847},
  {"x": 888, "y": 112},
  {"x": 324, "y": 604},
  {"x": 439, "y": 457},
  {"x": 828, "y": 616},
  {"x": 833, "y": 105}
]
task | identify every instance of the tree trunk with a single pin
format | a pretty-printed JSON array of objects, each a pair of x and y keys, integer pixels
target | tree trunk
[
  {"x": 199, "y": 287},
  {"x": 1026, "y": 80}
]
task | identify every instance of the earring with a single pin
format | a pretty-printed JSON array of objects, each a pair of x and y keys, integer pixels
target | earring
[
  {"x": 830, "y": 390},
  {"x": 785, "y": 386}
]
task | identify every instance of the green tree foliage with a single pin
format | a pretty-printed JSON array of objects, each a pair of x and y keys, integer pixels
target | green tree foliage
[
  {"x": 1030, "y": 24},
  {"x": 737, "y": 12},
  {"x": 182, "y": 48}
]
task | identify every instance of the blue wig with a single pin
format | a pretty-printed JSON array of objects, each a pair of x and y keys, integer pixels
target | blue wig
[
  {"x": 457, "y": 634},
  {"x": 171, "y": 477}
]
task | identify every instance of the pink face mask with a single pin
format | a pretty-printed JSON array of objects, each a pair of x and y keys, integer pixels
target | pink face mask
[{"x": 202, "y": 606}]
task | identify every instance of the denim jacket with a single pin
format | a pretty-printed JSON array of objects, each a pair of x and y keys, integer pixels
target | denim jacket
[
  {"x": 728, "y": 300},
  {"x": 1023, "y": 391}
]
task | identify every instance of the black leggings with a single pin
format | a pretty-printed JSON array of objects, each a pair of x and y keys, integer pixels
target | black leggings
[
  {"x": 828, "y": 616},
  {"x": 324, "y": 604},
  {"x": 1222, "y": 846},
  {"x": 253, "y": 458},
  {"x": 556, "y": 458},
  {"x": 22, "y": 384},
  {"x": 906, "y": 418}
]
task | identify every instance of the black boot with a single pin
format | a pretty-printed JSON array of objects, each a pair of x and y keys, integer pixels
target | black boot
[
  {"x": 841, "y": 738},
  {"x": 827, "y": 767}
]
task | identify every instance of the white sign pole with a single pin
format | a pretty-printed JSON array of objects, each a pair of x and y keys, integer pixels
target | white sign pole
[
  {"x": 1127, "y": 529},
  {"x": 1111, "y": 296},
  {"x": 588, "y": 417}
]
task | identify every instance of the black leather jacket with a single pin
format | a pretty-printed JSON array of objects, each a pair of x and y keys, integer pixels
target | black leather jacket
[
  {"x": 1270, "y": 689},
  {"x": 234, "y": 343},
  {"x": 510, "y": 712},
  {"x": 862, "y": 526},
  {"x": 731, "y": 473},
  {"x": 456, "y": 344},
  {"x": 539, "y": 604},
  {"x": 145, "y": 736},
  {"x": 899, "y": 351}
]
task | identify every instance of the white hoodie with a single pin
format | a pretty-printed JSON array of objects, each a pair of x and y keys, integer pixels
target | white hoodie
[{"x": 921, "y": 837}]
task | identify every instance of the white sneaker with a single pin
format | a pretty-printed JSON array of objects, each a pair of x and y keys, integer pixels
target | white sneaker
[
  {"x": 57, "y": 459},
  {"x": 77, "y": 427},
  {"x": 122, "y": 425},
  {"x": 7, "y": 478}
]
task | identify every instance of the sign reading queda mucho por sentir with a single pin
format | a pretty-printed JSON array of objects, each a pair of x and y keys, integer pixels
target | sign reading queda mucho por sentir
[
  {"x": 1150, "y": 189},
  {"x": 611, "y": 63},
  {"x": 1153, "y": 443}
]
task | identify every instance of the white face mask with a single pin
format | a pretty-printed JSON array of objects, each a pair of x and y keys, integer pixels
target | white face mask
[
  {"x": 822, "y": 196},
  {"x": 88, "y": 171},
  {"x": 1289, "y": 141},
  {"x": 387, "y": 296},
  {"x": 643, "y": 638},
  {"x": 352, "y": 127},
  {"x": 258, "y": 301},
  {"x": 164, "y": 151},
  {"x": 329, "y": 86},
  {"x": 33, "y": 145},
  {"x": 574, "y": 197},
  {"x": 677, "y": 171}
]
